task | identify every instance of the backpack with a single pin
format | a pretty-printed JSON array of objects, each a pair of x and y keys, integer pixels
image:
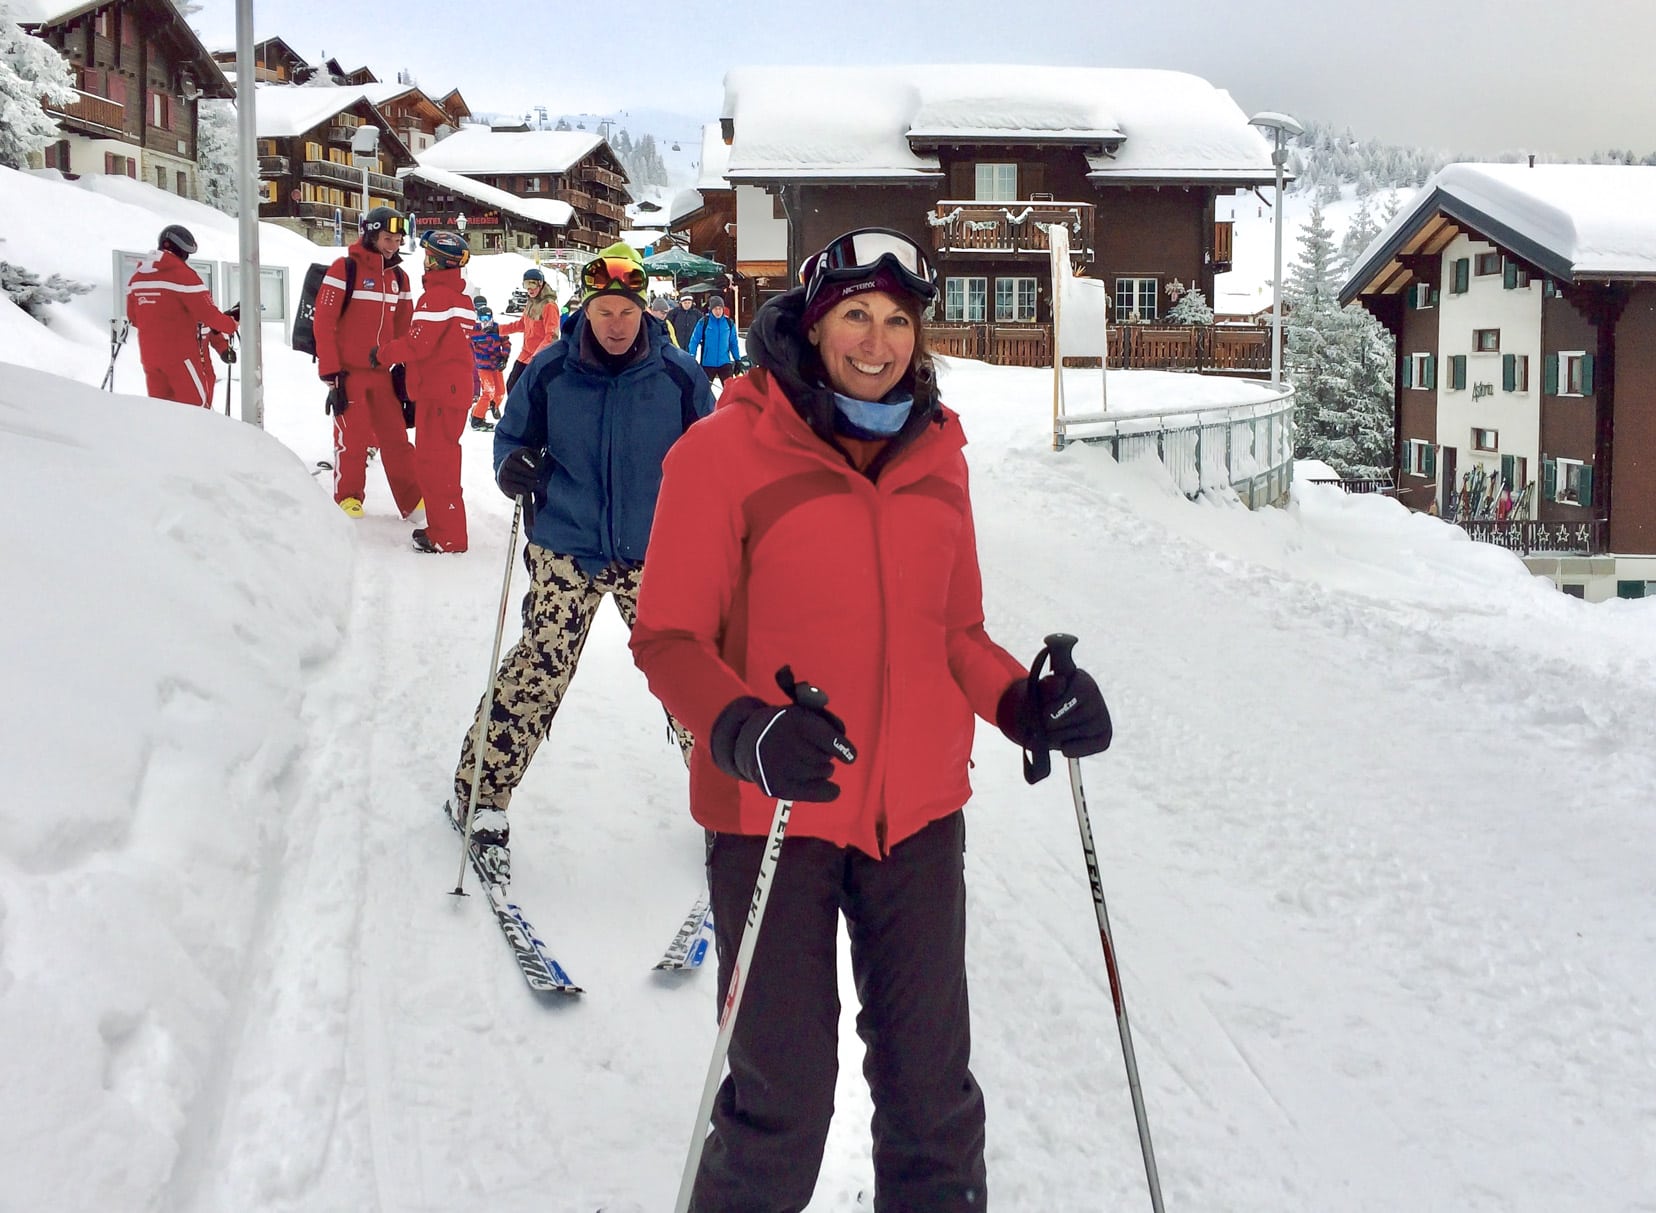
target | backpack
[{"x": 304, "y": 323}]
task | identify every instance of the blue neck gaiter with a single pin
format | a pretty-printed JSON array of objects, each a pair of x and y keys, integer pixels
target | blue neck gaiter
[{"x": 875, "y": 418}]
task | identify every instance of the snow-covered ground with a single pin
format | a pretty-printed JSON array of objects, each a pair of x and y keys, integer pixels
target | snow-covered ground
[{"x": 1375, "y": 835}]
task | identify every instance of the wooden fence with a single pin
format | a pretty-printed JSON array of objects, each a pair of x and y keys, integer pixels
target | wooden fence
[{"x": 1223, "y": 349}]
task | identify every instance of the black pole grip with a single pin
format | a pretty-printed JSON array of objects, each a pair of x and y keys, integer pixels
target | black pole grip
[{"x": 1060, "y": 645}]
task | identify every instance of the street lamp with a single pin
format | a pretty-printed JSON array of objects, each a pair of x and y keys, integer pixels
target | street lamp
[
  {"x": 460, "y": 222},
  {"x": 1282, "y": 128}
]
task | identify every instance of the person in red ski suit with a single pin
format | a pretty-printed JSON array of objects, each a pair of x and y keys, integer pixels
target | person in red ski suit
[
  {"x": 173, "y": 311},
  {"x": 366, "y": 410},
  {"x": 436, "y": 353},
  {"x": 539, "y": 323}
]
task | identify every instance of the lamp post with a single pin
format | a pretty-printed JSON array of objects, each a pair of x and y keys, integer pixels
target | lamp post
[
  {"x": 248, "y": 193},
  {"x": 1282, "y": 128}
]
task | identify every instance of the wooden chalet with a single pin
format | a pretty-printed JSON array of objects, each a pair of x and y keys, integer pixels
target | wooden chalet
[
  {"x": 573, "y": 167},
  {"x": 491, "y": 220},
  {"x": 702, "y": 220},
  {"x": 140, "y": 73},
  {"x": 307, "y": 179},
  {"x": 274, "y": 62},
  {"x": 1523, "y": 302},
  {"x": 976, "y": 164}
]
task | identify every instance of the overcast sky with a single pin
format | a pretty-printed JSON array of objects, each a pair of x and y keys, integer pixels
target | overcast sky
[{"x": 1559, "y": 76}]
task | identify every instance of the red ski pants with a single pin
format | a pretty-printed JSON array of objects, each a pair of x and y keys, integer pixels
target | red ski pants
[
  {"x": 373, "y": 417},
  {"x": 440, "y": 421},
  {"x": 494, "y": 392},
  {"x": 186, "y": 380}
]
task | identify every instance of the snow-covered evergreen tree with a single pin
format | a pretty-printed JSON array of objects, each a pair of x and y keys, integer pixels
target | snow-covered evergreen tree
[
  {"x": 1339, "y": 361},
  {"x": 1191, "y": 308},
  {"x": 25, "y": 288},
  {"x": 216, "y": 155},
  {"x": 29, "y": 70}
]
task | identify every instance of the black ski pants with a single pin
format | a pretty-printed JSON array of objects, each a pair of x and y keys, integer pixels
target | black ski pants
[{"x": 906, "y": 918}]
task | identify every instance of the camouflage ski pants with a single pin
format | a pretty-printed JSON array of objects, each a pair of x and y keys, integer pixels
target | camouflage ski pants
[{"x": 557, "y": 614}]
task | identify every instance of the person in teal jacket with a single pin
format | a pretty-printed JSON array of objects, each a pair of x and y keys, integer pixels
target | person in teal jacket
[
  {"x": 713, "y": 343},
  {"x": 581, "y": 443}
]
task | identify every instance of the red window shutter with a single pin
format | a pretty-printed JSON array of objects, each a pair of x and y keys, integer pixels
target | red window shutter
[
  {"x": 132, "y": 167},
  {"x": 109, "y": 162}
]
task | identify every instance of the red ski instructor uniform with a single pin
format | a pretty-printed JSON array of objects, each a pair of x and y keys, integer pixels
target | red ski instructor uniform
[
  {"x": 379, "y": 312},
  {"x": 171, "y": 308},
  {"x": 437, "y": 354}
]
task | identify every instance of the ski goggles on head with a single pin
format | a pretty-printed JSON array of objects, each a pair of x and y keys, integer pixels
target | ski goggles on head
[
  {"x": 859, "y": 254},
  {"x": 613, "y": 273}
]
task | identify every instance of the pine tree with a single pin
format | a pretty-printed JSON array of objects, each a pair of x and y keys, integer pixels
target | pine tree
[
  {"x": 217, "y": 155},
  {"x": 29, "y": 70},
  {"x": 1192, "y": 308},
  {"x": 24, "y": 288}
]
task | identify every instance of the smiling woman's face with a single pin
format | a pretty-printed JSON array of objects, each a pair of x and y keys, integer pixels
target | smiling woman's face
[{"x": 866, "y": 344}]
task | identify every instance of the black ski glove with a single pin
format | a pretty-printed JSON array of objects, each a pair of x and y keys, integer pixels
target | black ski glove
[
  {"x": 1070, "y": 715},
  {"x": 373, "y": 356},
  {"x": 520, "y": 474},
  {"x": 408, "y": 414},
  {"x": 788, "y": 751},
  {"x": 336, "y": 402},
  {"x": 228, "y": 353}
]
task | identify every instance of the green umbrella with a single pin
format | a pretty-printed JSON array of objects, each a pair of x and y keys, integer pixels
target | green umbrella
[{"x": 674, "y": 262}]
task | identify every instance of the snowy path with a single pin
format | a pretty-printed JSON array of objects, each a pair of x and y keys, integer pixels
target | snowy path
[{"x": 1374, "y": 959}]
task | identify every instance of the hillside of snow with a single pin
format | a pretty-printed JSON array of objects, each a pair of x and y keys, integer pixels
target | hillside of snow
[{"x": 1375, "y": 835}]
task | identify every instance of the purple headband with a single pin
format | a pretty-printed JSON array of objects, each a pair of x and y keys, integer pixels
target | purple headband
[{"x": 834, "y": 293}]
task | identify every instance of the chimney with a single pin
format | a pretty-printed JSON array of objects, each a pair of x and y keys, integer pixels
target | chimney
[{"x": 1532, "y": 160}]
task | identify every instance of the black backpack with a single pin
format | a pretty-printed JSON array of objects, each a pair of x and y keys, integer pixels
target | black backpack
[{"x": 304, "y": 323}]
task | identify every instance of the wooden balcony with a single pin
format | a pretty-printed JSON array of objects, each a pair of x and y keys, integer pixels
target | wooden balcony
[
  {"x": 1221, "y": 246},
  {"x": 345, "y": 175},
  {"x": 1589, "y": 537},
  {"x": 273, "y": 166},
  {"x": 1016, "y": 229},
  {"x": 1219, "y": 349},
  {"x": 594, "y": 175},
  {"x": 98, "y": 113},
  {"x": 579, "y": 199},
  {"x": 341, "y": 134}
]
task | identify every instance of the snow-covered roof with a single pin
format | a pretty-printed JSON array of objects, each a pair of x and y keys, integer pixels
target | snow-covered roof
[
  {"x": 715, "y": 159},
  {"x": 684, "y": 202},
  {"x": 1571, "y": 220},
  {"x": 1136, "y": 123},
  {"x": 477, "y": 149},
  {"x": 47, "y": 12},
  {"x": 541, "y": 210},
  {"x": 284, "y": 110}
]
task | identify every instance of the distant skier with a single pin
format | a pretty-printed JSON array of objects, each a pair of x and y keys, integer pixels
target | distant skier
[
  {"x": 366, "y": 410},
  {"x": 437, "y": 355},
  {"x": 584, "y": 434},
  {"x": 684, "y": 318},
  {"x": 169, "y": 305},
  {"x": 490, "y": 355},
  {"x": 713, "y": 344},
  {"x": 539, "y": 329}
]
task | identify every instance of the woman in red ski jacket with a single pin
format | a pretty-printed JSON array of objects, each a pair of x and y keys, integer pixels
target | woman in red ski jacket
[
  {"x": 436, "y": 354},
  {"x": 821, "y": 520},
  {"x": 538, "y": 324}
]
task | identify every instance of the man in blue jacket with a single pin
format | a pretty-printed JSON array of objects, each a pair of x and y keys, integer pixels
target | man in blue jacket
[
  {"x": 713, "y": 344},
  {"x": 581, "y": 441}
]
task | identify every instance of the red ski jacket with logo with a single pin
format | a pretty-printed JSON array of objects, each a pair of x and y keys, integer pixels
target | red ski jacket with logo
[
  {"x": 166, "y": 300},
  {"x": 770, "y": 549},
  {"x": 437, "y": 350},
  {"x": 379, "y": 312}
]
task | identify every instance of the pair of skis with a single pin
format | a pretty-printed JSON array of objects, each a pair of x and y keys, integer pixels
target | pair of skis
[{"x": 688, "y": 948}]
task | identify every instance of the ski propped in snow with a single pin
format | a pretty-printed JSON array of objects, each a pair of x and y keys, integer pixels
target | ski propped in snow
[{"x": 690, "y": 944}]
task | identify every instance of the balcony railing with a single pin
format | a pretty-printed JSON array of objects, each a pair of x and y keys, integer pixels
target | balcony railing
[
  {"x": 579, "y": 199},
  {"x": 273, "y": 166},
  {"x": 1226, "y": 349},
  {"x": 1015, "y": 228},
  {"x": 344, "y": 174},
  {"x": 1585, "y": 538},
  {"x": 339, "y": 133},
  {"x": 93, "y": 111},
  {"x": 601, "y": 176}
]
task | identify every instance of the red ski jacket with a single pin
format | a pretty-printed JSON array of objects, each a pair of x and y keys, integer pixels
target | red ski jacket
[
  {"x": 378, "y": 314},
  {"x": 538, "y": 331},
  {"x": 769, "y": 549},
  {"x": 166, "y": 300},
  {"x": 437, "y": 350}
]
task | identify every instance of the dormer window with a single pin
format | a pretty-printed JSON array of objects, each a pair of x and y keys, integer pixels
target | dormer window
[{"x": 997, "y": 183}]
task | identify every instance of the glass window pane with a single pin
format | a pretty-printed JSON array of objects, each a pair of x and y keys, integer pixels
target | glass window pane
[{"x": 1005, "y": 299}]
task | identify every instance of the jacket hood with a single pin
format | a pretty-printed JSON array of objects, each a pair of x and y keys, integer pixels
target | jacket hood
[{"x": 776, "y": 342}]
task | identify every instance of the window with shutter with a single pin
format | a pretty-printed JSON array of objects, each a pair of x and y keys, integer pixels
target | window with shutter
[
  {"x": 1457, "y": 372},
  {"x": 1462, "y": 280},
  {"x": 1549, "y": 374},
  {"x": 1431, "y": 460},
  {"x": 1431, "y": 372},
  {"x": 1586, "y": 374},
  {"x": 1509, "y": 372},
  {"x": 1549, "y": 479},
  {"x": 1584, "y": 485}
]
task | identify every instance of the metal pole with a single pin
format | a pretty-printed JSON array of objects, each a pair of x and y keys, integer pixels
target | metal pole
[
  {"x": 1277, "y": 158},
  {"x": 247, "y": 164}
]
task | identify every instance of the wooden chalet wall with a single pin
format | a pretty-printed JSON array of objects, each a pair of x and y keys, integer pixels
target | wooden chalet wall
[
  {"x": 1416, "y": 412},
  {"x": 305, "y": 178},
  {"x": 1570, "y": 424},
  {"x": 1632, "y": 496}
]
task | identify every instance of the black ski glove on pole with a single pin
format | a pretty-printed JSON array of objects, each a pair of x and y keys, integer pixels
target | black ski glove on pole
[
  {"x": 788, "y": 751},
  {"x": 1062, "y": 711},
  {"x": 522, "y": 473}
]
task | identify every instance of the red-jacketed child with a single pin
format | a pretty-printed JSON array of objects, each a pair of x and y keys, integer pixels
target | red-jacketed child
[
  {"x": 364, "y": 402},
  {"x": 491, "y": 352},
  {"x": 437, "y": 354},
  {"x": 170, "y": 306}
]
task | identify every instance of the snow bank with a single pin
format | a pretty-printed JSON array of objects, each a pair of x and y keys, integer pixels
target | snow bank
[{"x": 170, "y": 577}]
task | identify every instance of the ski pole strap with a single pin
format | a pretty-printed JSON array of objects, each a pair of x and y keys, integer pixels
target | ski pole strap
[{"x": 1037, "y": 763}]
